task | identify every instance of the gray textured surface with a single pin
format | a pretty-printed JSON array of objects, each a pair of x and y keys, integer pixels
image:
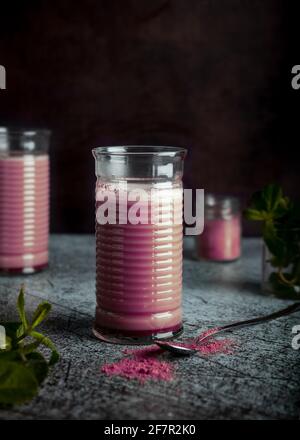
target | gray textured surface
[{"x": 260, "y": 380}]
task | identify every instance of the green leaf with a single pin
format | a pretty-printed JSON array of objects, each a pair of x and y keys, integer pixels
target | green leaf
[
  {"x": 255, "y": 214},
  {"x": 10, "y": 355},
  {"x": 12, "y": 330},
  {"x": 39, "y": 366},
  {"x": 293, "y": 216},
  {"x": 281, "y": 233},
  {"x": 8, "y": 343},
  {"x": 44, "y": 340},
  {"x": 22, "y": 368},
  {"x": 272, "y": 195},
  {"x": 17, "y": 383},
  {"x": 29, "y": 348},
  {"x": 257, "y": 202},
  {"x": 21, "y": 308},
  {"x": 21, "y": 332},
  {"x": 40, "y": 313},
  {"x": 268, "y": 204}
]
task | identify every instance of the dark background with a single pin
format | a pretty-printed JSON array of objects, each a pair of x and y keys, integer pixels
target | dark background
[{"x": 212, "y": 75}]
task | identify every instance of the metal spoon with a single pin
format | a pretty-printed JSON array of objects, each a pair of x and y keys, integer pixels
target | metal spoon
[{"x": 175, "y": 348}]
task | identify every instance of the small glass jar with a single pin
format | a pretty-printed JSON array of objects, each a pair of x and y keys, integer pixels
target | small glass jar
[
  {"x": 139, "y": 259},
  {"x": 221, "y": 238},
  {"x": 24, "y": 200}
]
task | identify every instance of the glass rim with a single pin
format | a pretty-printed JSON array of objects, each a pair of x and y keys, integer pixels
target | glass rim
[
  {"x": 213, "y": 199},
  {"x": 16, "y": 141},
  {"x": 139, "y": 150}
]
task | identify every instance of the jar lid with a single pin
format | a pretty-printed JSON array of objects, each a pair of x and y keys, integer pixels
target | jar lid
[
  {"x": 24, "y": 141},
  {"x": 221, "y": 206}
]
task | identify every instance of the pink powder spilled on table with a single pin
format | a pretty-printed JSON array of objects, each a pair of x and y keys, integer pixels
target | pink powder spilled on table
[
  {"x": 140, "y": 368},
  {"x": 143, "y": 364},
  {"x": 147, "y": 352}
]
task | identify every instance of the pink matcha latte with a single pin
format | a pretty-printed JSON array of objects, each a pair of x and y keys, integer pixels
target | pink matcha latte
[
  {"x": 139, "y": 262},
  {"x": 139, "y": 272},
  {"x": 24, "y": 200}
]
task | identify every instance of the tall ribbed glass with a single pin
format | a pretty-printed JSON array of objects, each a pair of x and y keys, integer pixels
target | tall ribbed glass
[
  {"x": 138, "y": 243},
  {"x": 24, "y": 200}
]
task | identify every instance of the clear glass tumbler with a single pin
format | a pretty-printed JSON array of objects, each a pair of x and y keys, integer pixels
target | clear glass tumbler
[
  {"x": 138, "y": 243},
  {"x": 24, "y": 200}
]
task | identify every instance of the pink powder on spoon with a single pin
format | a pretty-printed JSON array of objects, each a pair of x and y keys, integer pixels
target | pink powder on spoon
[
  {"x": 144, "y": 365},
  {"x": 205, "y": 345},
  {"x": 223, "y": 346},
  {"x": 209, "y": 345}
]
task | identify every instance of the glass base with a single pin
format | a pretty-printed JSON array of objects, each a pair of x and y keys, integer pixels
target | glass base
[
  {"x": 23, "y": 270},
  {"x": 212, "y": 260},
  {"x": 136, "y": 338}
]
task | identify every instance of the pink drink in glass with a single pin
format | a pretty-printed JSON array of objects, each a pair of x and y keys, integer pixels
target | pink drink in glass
[
  {"x": 221, "y": 240},
  {"x": 24, "y": 212},
  {"x": 139, "y": 266}
]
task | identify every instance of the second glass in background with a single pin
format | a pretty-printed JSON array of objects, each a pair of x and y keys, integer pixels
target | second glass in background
[{"x": 24, "y": 200}]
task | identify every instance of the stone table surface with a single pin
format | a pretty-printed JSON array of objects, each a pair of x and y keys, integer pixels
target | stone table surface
[{"x": 259, "y": 380}]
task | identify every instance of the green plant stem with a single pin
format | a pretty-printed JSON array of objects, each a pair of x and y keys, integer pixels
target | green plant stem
[{"x": 284, "y": 280}]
